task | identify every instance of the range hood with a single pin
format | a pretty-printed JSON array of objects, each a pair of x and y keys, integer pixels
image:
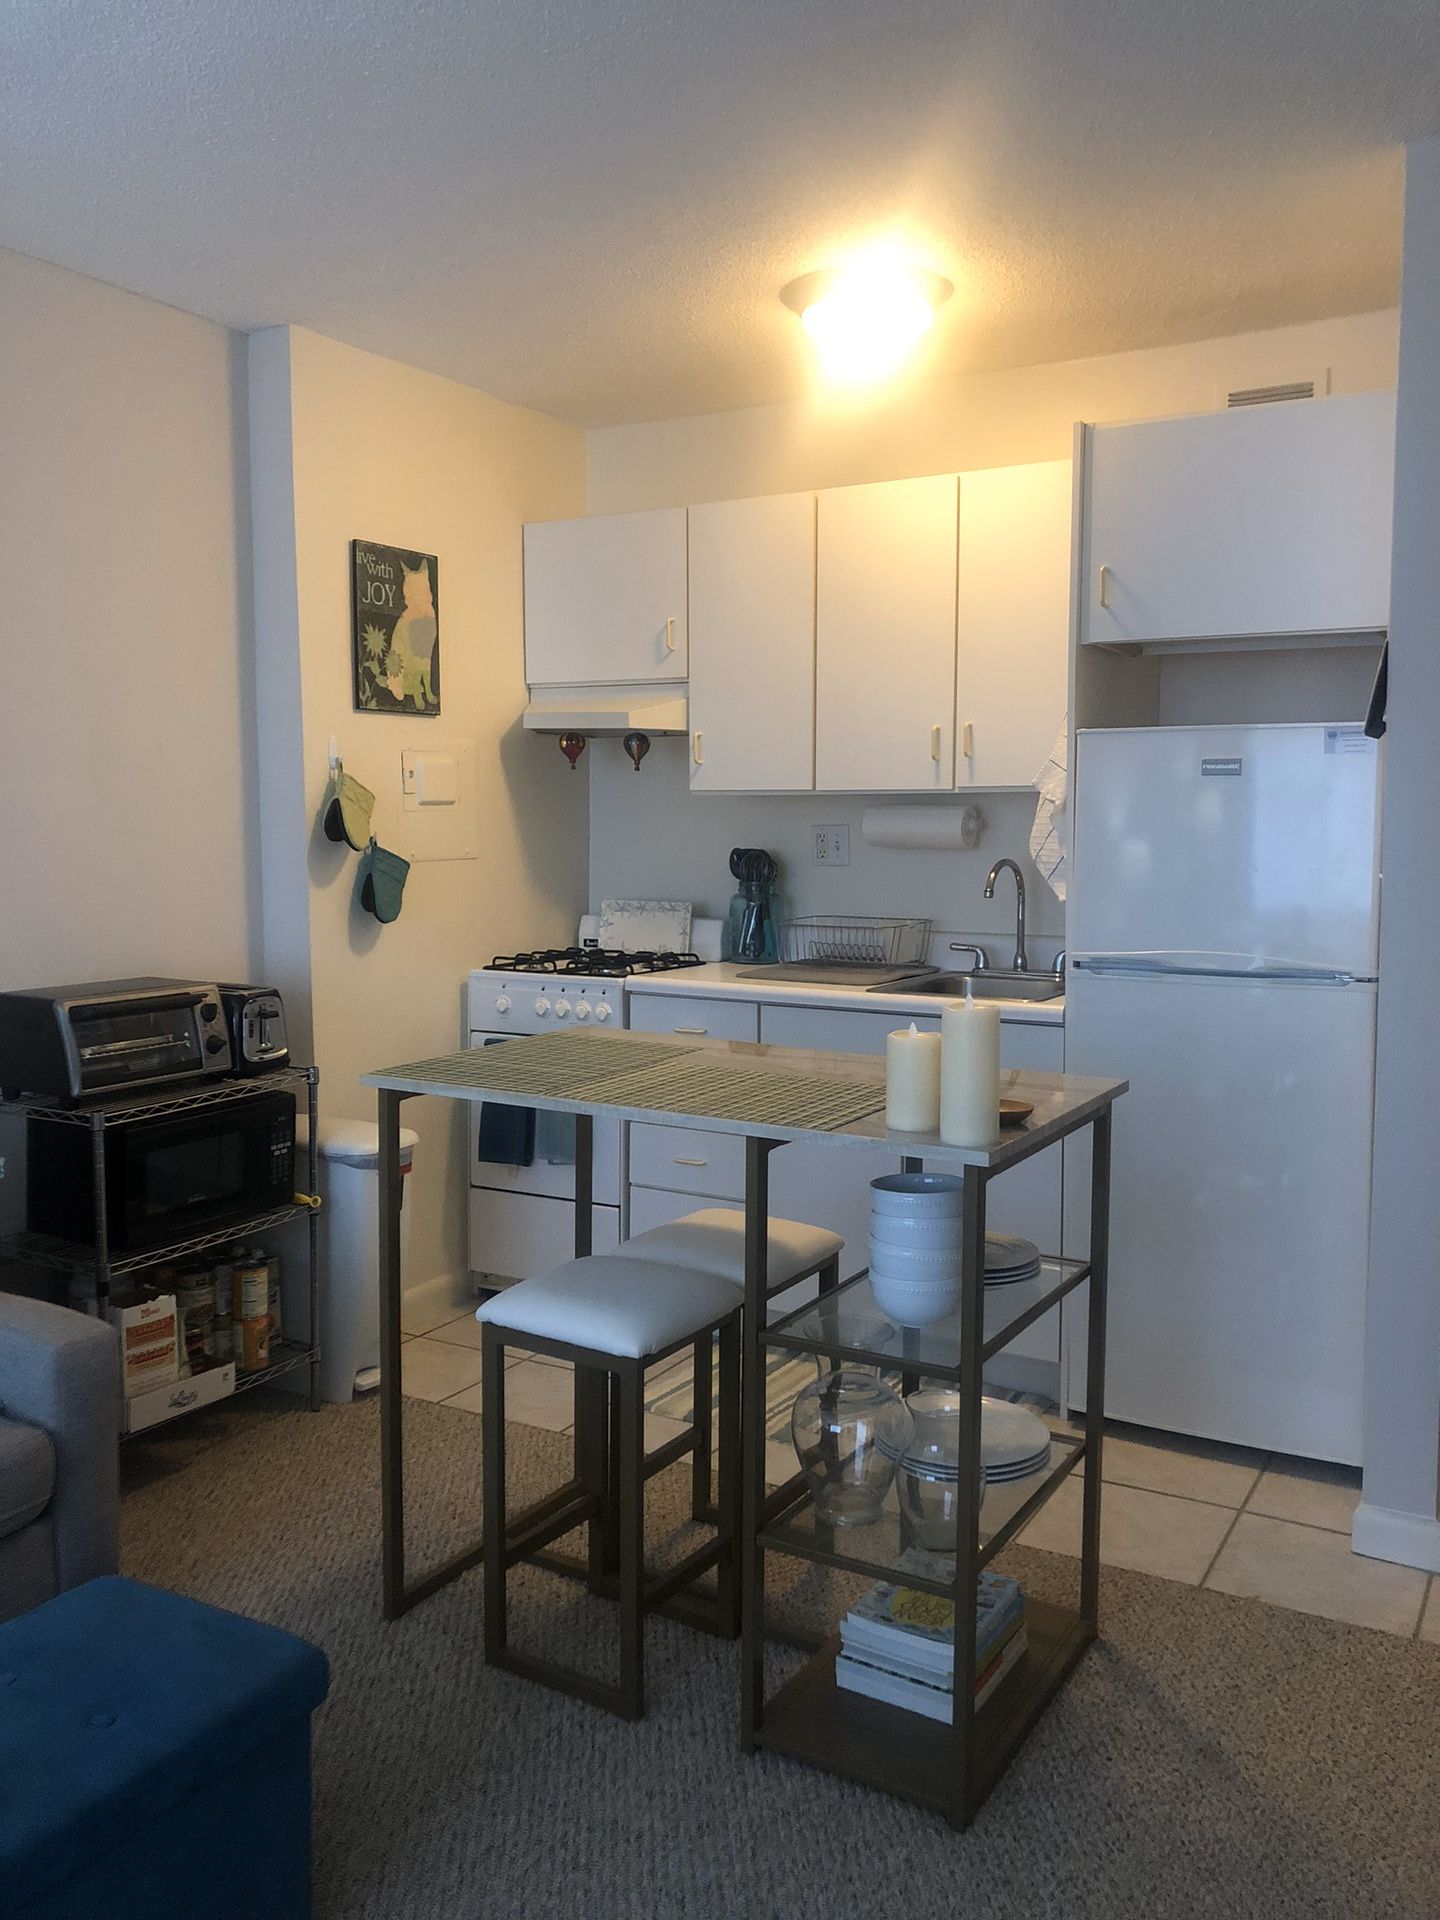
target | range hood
[{"x": 613, "y": 710}]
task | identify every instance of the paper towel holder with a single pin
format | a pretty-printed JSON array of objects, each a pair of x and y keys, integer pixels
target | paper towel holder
[{"x": 923, "y": 829}]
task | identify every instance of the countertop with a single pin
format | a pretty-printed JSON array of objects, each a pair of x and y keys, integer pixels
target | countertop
[{"x": 723, "y": 980}]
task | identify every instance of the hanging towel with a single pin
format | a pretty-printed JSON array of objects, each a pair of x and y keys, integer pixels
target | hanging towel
[
  {"x": 506, "y": 1135},
  {"x": 1049, "y": 836},
  {"x": 555, "y": 1138}
]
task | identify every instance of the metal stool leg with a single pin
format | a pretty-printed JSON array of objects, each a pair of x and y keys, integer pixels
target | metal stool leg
[
  {"x": 629, "y": 1383},
  {"x": 727, "y": 1515},
  {"x": 702, "y": 1491},
  {"x": 492, "y": 1427}
]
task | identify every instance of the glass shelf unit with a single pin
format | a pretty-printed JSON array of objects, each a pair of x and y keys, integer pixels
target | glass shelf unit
[
  {"x": 795, "y": 1527},
  {"x": 948, "y": 1766},
  {"x": 849, "y": 1324}
]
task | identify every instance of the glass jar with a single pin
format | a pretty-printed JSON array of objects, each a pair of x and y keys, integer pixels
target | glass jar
[
  {"x": 849, "y": 1430},
  {"x": 928, "y": 1475}
]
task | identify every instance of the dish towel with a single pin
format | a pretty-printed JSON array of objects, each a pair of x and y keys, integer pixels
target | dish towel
[
  {"x": 555, "y": 1138},
  {"x": 506, "y": 1135},
  {"x": 1049, "y": 836}
]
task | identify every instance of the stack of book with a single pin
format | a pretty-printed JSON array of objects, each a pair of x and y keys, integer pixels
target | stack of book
[{"x": 898, "y": 1644}]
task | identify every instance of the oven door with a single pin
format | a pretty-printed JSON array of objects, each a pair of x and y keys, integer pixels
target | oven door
[
  {"x": 522, "y": 1186},
  {"x": 193, "y": 1173}
]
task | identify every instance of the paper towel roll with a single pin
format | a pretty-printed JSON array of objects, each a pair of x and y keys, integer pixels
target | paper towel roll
[{"x": 938, "y": 829}]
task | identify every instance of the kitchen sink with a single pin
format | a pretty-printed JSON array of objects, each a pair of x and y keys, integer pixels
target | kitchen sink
[{"x": 985, "y": 986}]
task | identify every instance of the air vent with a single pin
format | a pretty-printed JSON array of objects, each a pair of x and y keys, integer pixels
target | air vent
[{"x": 1263, "y": 396}]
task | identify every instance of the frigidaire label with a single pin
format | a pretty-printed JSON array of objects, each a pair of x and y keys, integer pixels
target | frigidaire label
[{"x": 1230, "y": 767}]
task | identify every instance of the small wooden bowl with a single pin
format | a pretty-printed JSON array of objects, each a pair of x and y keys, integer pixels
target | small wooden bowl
[{"x": 1014, "y": 1112}]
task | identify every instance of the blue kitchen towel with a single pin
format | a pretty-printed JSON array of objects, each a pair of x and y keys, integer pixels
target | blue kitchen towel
[
  {"x": 506, "y": 1135},
  {"x": 555, "y": 1138}
]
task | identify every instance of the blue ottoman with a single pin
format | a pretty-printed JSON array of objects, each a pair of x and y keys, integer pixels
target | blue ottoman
[{"x": 154, "y": 1760}]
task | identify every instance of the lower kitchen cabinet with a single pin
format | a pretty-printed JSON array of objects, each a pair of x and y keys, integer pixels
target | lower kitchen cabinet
[
  {"x": 525, "y": 1234},
  {"x": 694, "y": 1014}
]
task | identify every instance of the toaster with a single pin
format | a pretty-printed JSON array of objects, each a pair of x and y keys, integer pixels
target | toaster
[{"x": 255, "y": 1017}]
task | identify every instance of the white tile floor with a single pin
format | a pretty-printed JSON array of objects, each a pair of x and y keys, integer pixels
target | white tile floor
[{"x": 1236, "y": 1522}]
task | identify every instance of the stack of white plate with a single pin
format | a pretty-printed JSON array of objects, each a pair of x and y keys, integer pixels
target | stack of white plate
[
  {"x": 915, "y": 1236},
  {"x": 1009, "y": 1259},
  {"x": 1014, "y": 1443}
]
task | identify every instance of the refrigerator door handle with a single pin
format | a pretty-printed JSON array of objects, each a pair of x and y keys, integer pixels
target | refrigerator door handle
[{"x": 1218, "y": 966}]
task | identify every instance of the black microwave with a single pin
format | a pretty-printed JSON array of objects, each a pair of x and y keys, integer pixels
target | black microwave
[{"x": 165, "y": 1178}]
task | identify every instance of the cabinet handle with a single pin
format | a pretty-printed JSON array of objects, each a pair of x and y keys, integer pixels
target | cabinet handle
[
  {"x": 935, "y": 744},
  {"x": 700, "y": 1030},
  {"x": 670, "y": 634},
  {"x": 1105, "y": 588},
  {"x": 697, "y": 747},
  {"x": 967, "y": 740},
  {"x": 688, "y": 1160}
]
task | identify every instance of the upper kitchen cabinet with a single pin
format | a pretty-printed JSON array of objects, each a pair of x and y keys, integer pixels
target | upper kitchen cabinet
[
  {"x": 1012, "y": 664},
  {"x": 1245, "y": 524},
  {"x": 605, "y": 599},
  {"x": 885, "y": 637},
  {"x": 752, "y": 645}
]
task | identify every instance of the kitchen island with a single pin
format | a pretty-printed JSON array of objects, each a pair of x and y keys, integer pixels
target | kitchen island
[{"x": 772, "y": 1097}]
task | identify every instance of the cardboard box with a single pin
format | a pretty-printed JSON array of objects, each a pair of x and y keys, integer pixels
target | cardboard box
[
  {"x": 148, "y": 1326},
  {"x": 163, "y": 1403}
]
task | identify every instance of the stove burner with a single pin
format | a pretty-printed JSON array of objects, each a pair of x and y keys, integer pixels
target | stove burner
[{"x": 607, "y": 963}]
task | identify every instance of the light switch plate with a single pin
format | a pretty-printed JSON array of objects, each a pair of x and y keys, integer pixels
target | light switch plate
[{"x": 438, "y": 799}]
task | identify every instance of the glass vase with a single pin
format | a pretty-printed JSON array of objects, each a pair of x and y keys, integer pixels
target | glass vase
[{"x": 849, "y": 1430}]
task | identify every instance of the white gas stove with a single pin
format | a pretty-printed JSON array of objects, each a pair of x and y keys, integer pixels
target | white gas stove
[{"x": 522, "y": 1181}]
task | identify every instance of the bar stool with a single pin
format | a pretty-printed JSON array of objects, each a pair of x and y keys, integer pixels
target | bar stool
[
  {"x": 615, "y": 1316},
  {"x": 712, "y": 1240}
]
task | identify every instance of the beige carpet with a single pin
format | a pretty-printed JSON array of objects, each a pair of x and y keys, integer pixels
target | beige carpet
[{"x": 1213, "y": 1757}]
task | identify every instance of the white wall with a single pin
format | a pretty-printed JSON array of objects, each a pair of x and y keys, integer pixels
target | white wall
[
  {"x": 347, "y": 444},
  {"x": 650, "y": 836},
  {"x": 1397, "y": 1520},
  {"x": 975, "y": 420},
  {"x": 126, "y": 776}
]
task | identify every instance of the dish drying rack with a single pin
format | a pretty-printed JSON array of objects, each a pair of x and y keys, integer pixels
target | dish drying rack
[{"x": 859, "y": 940}]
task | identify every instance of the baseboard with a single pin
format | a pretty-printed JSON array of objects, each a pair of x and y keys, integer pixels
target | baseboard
[
  {"x": 455, "y": 1290},
  {"x": 1409, "y": 1539}
]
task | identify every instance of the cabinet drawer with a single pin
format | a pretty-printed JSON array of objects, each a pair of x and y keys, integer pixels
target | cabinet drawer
[
  {"x": 835, "y": 1029},
  {"x": 686, "y": 1160},
  {"x": 691, "y": 1014}
]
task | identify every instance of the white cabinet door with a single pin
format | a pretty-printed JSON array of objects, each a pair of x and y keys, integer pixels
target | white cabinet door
[
  {"x": 752, "y": 645},
  {"x": 1256, "y": 521},
  {"x": 605, "y": 599},
  {"x": 885, "y": 637},
  {"x": 1013, "y": 655}
]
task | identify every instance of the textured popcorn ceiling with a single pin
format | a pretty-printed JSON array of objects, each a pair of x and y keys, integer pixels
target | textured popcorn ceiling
[{"x": 590, "y": 206}]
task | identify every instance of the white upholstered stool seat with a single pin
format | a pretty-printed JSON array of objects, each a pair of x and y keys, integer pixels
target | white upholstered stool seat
[
  {"x": 614, "y": 1305},
  {"x": 712, "y": 1240}
]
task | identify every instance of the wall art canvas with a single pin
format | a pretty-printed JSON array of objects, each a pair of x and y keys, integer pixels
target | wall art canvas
[{"x": 395, "y": 622}]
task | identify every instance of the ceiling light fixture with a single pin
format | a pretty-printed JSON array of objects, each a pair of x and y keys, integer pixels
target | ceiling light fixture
[{"x": 867, "y": 317}]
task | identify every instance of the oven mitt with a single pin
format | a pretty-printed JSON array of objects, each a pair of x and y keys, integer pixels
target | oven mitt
[
  {"x": 345, "y": 812},
  {"x": 382, "y": 882}
]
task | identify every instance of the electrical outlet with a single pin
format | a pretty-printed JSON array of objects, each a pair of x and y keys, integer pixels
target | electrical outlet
[{"x": 831, "y": 846}]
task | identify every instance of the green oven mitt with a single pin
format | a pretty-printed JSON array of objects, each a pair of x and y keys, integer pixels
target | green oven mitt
[
  {"x": 382, "y": 882},
  {"x": 346, "y": 809}
]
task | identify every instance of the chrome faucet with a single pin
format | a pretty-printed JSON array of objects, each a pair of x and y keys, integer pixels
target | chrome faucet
[{"x": 1022, "y": 959}]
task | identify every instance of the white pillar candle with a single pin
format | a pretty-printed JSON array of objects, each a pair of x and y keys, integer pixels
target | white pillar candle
[
  {"x": 912, "y": 1081},
  {"x": 969, "y": 1074}
]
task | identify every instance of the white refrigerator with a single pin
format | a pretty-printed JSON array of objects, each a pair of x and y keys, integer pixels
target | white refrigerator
[{"x": 1223, "y": 935}]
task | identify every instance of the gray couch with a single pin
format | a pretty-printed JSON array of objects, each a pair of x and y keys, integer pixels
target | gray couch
[{"x": 59, "y": 1428}]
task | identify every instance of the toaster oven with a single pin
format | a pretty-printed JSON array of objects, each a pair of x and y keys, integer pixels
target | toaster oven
[{"x": 73, "y": 1043}]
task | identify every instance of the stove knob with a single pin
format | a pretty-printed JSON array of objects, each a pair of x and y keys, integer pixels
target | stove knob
[
  {"x": 541, "y": 1007},
  {"x": 604, "y": 1011},
  {"x": 502, "y": 1003},
  {"x": 582, "y": 1009},
  {"x": 562, "y": 1009}
]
